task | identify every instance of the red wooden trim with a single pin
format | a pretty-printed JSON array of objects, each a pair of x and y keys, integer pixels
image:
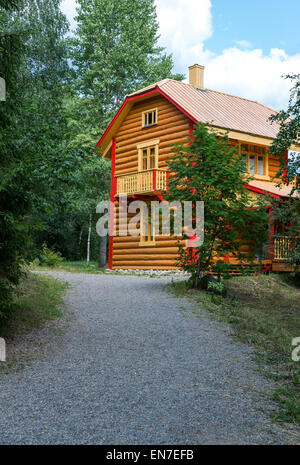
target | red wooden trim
[
  {"x": 127, "y": 99},
  {"x": 112, "y": 199},
  {"x": 148, "y": 92},
  {"x": 177, "y": 105},
  {"x": 137, "y": 97},
  {"x": 154, "y": 180},
  {"x": 261, "y": 191},
  {"x": 158, "y": 194},
  {"x": 167, "y": 178}
]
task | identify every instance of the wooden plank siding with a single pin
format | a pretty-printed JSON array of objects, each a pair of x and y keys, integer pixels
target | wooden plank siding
[
  {"x": 172, "y": 127},
  {"x": 127, "y": 252},
  {"x": 274, "y": 165}
]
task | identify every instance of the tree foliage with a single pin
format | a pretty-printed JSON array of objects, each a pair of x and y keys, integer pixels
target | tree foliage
[
  {"x": 30, "y": 47},
  {"x": 210, "y": 169},
  {"x": 12, "y": 204},
  {"x": 287, "y": 212},
  {"x": 289, "y": 133},
  {"x": 114, "y": 52}
]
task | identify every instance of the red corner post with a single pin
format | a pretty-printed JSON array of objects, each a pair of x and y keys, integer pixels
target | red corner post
[{"x": 112, "y": 204}]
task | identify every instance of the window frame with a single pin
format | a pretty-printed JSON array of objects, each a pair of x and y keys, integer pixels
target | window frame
[
  {"x": 148, "y": 145},
  {"x": 251, "y": 153},
  {"x": 144, "y": 116},
  {"x": 146, "y": 241}
]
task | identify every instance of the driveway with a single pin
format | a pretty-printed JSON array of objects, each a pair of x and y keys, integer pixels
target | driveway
[{"x": 137, "y": 365}]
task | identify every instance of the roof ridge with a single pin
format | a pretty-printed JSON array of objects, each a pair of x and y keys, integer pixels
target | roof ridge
[{"x": 136, "y": 92}]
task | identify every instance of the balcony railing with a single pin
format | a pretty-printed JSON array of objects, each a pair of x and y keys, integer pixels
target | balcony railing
[
  {"x": 283, "y": 247},
  {"x": 142, "y": 182}
]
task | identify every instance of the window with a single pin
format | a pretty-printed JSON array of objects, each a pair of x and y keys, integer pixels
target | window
[
  {"x": 148, "y": 158},
  {"x": 147, "y": 229},
  {"x": 148, "y": 155},
  {"x": 149, "y": 118},
  {"x": 256, "y": 160}
]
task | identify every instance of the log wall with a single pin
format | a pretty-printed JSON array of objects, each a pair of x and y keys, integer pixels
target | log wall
[{"x": 172, "y": 127}]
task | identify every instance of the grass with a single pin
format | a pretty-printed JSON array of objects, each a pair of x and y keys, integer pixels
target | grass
[
  {"x": 264, "y": 311},
  {"x": 73, "y": 267},
  {"x": 82, "y": 267},
  {"x": 38, "y": 300}
]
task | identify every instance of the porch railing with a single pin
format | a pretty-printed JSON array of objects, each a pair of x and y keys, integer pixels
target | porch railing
[
  {"x": 283, "y": 247},
  {"x": 140, "y": 182}
]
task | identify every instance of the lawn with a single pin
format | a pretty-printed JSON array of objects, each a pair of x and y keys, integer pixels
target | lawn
[
  {"x": 72, "y": 266},
  {"x": 38, "y": 300},
  {"x": 264, "y": 312}
]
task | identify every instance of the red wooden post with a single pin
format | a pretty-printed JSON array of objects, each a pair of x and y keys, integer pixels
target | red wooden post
[
  {"x": 154, "y": 180},
  {"x": 113, "y": 185}
]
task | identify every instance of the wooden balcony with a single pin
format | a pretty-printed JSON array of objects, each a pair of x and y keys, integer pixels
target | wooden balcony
[
  {"x": 142, "y": 182},
  {"x": 283, "y": 246}
]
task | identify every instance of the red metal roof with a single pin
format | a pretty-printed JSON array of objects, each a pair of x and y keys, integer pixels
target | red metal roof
[{"x": 221, "y": 110}]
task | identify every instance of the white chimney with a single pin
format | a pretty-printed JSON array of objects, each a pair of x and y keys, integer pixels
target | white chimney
[{"x": 196, "y": 76}]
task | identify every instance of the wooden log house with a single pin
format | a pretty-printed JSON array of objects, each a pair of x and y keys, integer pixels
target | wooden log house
[{"x": 138, "y": 142}]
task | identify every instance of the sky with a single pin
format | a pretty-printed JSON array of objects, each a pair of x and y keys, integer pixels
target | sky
[{"x": 246, "y": 46}]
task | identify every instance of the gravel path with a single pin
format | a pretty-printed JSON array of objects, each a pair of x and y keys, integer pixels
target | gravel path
[{"x": 136, "y": 367}]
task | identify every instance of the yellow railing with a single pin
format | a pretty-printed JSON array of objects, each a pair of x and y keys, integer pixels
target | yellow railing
[
  {"x": 142, "y": 182},
  {"x": 283, "y": 246}
]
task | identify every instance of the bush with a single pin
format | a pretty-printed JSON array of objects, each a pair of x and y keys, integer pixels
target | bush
[
  {"x": 216, "y": 287},
  {"x": 34, "y": 264},
  {"x": 50, "y": 258}
]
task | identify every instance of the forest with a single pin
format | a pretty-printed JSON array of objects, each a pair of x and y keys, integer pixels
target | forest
[{"x": 62, "y": 88}]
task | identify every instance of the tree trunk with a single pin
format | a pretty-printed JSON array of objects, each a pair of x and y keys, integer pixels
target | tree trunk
[
  {"x": 197, "y": 273},
  {"x": 102, "y": 252},
  {"x": 80, "y": 235},
  {"x": 89, "y": 241}
]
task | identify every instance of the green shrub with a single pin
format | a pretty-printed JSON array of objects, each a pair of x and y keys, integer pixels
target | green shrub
[
  {"x": 50, "y": 258},
  {"x": 34, "y": 264},
  {"x": 216, "y": 287}
]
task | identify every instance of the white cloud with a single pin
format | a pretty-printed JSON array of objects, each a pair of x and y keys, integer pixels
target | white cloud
[
  {"x": 253, "y": 75},
  {"x": 243, "y": 43},
  {"x": 240, "y": 70},
  {"x": 185, "y": 25}
]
